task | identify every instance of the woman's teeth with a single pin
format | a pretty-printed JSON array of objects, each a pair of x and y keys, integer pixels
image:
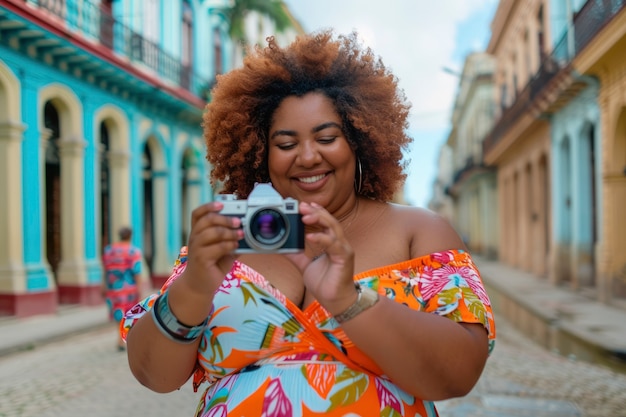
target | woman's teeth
[{"x": 310, "y": 180}]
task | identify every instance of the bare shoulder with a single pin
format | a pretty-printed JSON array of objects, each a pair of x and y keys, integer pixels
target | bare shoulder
[
  {"x": 427, "y": 231},
  {"x": 417, "y": 218}
]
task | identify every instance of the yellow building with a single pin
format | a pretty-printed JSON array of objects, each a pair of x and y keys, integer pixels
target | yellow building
[
  {"x": 519, "y": 144},
  {"x": 602, "y": 43},
  {"x": 559, "y": 142}
]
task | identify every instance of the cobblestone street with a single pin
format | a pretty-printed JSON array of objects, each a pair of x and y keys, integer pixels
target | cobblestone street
[
  {"x": 523, "y": 379},
  {"x": 84, "y": 375}
]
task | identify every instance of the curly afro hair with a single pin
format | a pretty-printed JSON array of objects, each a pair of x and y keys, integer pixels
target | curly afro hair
[{"x": 365, "y": 94}]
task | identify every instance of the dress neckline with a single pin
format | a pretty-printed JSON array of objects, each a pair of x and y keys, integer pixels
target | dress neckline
[{"x": 259, "y": 279}]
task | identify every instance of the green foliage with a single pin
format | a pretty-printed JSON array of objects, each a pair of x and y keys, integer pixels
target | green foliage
[{"x": 236, "y": 14}]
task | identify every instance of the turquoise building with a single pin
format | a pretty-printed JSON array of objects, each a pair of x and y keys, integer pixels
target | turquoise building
[
  {"x": 100, "y": 127},
  {"x": 577, "y": 188},
  {"x": 576, "y": 149}
]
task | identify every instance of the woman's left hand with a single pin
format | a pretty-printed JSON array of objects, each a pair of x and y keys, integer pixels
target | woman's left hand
[{"x": 328, "y": 277}]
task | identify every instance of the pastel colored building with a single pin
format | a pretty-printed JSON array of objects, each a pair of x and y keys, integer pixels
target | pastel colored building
[
  {"x": 441, "y": 202},
  {"x": 100, "y": 127},
  {"x": 473, "y": 187},
  {"x": 599, "y": 41},
  {"x": 558, "y": 144},
  {"x": 519, "y": 144}
]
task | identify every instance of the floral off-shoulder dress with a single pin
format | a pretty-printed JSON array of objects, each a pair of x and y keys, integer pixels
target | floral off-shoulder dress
[{"x": 263, "y": 356}]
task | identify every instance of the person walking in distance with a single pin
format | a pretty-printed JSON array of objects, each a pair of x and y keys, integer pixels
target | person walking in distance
[{"x": 122, "y": 266}]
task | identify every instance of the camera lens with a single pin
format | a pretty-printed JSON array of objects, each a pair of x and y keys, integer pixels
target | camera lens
[{"x": 268, "y": 227}]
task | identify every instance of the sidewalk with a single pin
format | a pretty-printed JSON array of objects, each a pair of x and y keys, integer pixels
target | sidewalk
[
  {"x": 557, "y": 319},
  {"x": 560, "y": 320},
  {"x": 27, "y": 333}
]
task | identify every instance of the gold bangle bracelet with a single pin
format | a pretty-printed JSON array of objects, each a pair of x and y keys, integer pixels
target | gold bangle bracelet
[{"x": 366, "y": 298}]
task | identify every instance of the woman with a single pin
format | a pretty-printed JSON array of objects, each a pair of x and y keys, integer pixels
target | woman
[{"x": 382, "y": 313}]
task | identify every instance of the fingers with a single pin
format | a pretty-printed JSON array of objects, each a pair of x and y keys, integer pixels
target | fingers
[
  {"x": 315, "y": 215},
  {"x": 212, "y": 238},
  {"x": 204, "y": 211},
  {"x": 330, "y": 234},
  {"x": 329, "y": 277},
  {"x": 212, "y": 233}
]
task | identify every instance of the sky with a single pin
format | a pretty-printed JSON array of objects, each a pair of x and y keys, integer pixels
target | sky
[{"x": 416, "y": 39}]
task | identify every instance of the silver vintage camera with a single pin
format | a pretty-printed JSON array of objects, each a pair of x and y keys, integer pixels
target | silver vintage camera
[{"x": 270, "y": 223}]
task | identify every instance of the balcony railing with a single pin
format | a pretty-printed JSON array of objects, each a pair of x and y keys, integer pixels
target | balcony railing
[
  {"x": 471, "y": 164},
  {"x": 592, "y": 17},
  {"x": 588, "y": 22},
  {"x": 95, "y": 23}
]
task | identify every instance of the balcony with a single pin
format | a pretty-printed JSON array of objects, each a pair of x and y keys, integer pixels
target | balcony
[
  {"x": 86, "y": 42},
  {"x": 473, "y": 166},
  {"x": 592, "y": 18},
  {"x": 554, "y": 84}
]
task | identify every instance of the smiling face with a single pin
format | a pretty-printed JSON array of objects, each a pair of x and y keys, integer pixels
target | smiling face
[{"x": 309, "y": 157}]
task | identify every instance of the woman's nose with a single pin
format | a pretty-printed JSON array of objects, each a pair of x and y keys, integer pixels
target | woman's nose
[{"x": 309, "y": 154}]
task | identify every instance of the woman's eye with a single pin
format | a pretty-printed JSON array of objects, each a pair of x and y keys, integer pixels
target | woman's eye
[
  {"x": 286, "y": 146},
  {"x": 327, "y": 140}
]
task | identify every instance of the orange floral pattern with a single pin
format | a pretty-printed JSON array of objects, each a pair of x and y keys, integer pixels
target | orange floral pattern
[{"x": 262, "y": 355}]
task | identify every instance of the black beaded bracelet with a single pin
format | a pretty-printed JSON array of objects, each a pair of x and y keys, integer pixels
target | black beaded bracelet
[{"x": 169, "y": 325}]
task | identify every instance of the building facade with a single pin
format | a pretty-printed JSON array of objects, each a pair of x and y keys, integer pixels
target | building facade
[
  {"x": 100, "y": 126},
  {"x": 441, "y": 202},
  {"x": 558, "y": 142},
  {"x": 472, "y": 187},
  {"x": 519, "y": 144},
  {"x": 599, "y": 44}
]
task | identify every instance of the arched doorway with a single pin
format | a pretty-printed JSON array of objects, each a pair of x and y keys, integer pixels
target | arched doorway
[
  {"x": 190, "y": 190},
  {"x": 53, "y": 188},
  {"x": 185, "y": 209},
  {"x": 544, "y": 212},
  {"x": 564, "y": 218},
  {"x": 105, "y": 186},
  {"x": 148, "y": 208},
  {"x": 588, "y": 208}
]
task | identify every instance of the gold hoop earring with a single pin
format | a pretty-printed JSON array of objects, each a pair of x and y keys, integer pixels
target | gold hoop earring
[{"x": 358, "y": 176}]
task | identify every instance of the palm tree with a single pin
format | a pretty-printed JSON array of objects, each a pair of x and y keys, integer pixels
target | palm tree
[{"x": 236, "y": 14}]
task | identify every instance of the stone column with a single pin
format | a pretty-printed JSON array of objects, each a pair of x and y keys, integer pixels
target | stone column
[
  {"x": 604, "y": 248},
  {"x": 190, "y": 199},
  {"x": 119, "y": 189},
  {"x": 12, "y": 272},
  {"x": 613, "y": 272},
  {"x": 161, "y": 259},
  {"x": 72, "y": 272},
  {"x": 542, "y": 189},
  {"x": 536, "y": 216},
  {"x": 48, "y": 282}
]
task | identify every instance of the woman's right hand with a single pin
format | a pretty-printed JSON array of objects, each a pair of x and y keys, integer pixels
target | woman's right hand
[
  {"x": 158, "y": 362},
  {"x": 213, "y": 238}
]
